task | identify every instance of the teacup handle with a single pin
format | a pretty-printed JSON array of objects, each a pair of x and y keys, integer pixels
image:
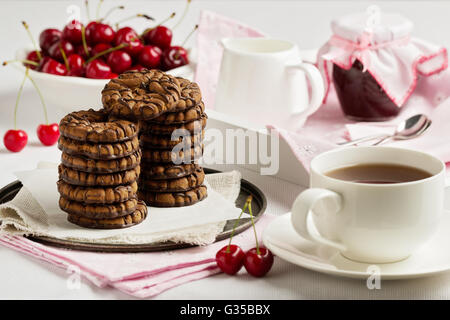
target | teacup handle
[
  {"x": 317, "y": 86},
  {"x": 301, "y": 214}
]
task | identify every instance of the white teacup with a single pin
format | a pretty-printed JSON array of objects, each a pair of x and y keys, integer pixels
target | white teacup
[
  {"x": 264, "y": 81},
  {"x": 374, "y": 223}
]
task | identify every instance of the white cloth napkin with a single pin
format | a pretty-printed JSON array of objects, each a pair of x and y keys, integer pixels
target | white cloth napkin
[{"x": 35, "y": 211}]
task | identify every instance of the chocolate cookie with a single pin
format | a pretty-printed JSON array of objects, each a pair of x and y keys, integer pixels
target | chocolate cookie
[
  {"x": 174, "y": 199},
  {"x": 190, "y": 95},
  {"x": 101, "y": 166},
  {"x": 132, "y": 219},
  {"x": 98, "y": 211},
  {"x": 98, "y": 151},
  {"x": 146, "y": 94},
  {"x": 93, "y": 126},
  {"x": 155, "y": 141},
  {"x": 156, "y": 128},
  {"x": 180, "y": 117},
  {"x": 170, "y": 156},
  {"x": 186, "y": 183},
  {"x": 97, "y": 195},
  {"x": 88, "y": 179},
  {"x": 166, "y": 171},
  {"x": 142, "y": 94}
]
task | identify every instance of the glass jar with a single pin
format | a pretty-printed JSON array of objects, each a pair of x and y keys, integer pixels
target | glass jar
[
  {"x": 360, "y": 96},
  {"x": 375, "y": 63}
]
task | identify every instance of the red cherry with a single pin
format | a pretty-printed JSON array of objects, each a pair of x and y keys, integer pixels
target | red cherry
[
  {"x": 103, "y": 33},
  {"x": 113, "y": 75},
  {"x": 128, "y": 36},
  {"x": 99, "y": 48},
  {"x": 134, "y": 48},
  {"x": 258, "y": 264},
  {"x": 76, "y": 65},
  {"x": 150, "y": 57},
  {"x": 80, "y": 51},
  {"x": 43, "y": 61},
  {"x": 90, "y": 30},
  {"x": 119, "y": 61},
  {"x": 72, "y": 32},
  {"x": 136, "y": 67},
  {"x": 75, "y": 61},
  {"x": 49, "y": 37},
  {"x": 174, "y": 57},
  {"x": 32, "y": 56},
  {"x": 159, "y": 36},
  {"x": 15, "y": 140},
  {"x": 48, "y": 134},
  {"x": 97, "y": 69},
  {"x": 55, "y": 50},
  {"x": 230, "y": 259},
  {"x": 54, "y": 67}
]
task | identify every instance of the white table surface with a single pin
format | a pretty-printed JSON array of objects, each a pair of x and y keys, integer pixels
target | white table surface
[{"x": 22, "y": 277}]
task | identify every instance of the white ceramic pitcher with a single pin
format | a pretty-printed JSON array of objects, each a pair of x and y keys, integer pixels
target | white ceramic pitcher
[{"x": 263, "y": 81}]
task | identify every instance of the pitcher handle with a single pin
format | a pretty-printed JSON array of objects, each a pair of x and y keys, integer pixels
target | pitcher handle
[{"x": 317, "y": 86}]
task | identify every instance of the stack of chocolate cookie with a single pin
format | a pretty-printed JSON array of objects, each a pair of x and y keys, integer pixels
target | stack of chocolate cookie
[
  {"x": 170, "y": 176},
  {"x": 172, "y": 121},
  {"x": 100, "y": 166}
]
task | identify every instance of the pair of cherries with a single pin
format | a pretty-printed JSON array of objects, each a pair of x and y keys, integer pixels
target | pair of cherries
[
  {"x": 257, "y": 261},
  {"x": 15, "y": 140}
]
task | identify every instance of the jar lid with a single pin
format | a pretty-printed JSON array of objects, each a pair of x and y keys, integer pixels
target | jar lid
[{"x": 390, "y": 26}]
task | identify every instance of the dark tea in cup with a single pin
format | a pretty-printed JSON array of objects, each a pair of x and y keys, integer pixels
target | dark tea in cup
[{"x": 378, "y": 173}]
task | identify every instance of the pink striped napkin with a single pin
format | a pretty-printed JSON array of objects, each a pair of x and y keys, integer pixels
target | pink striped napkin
[{"x": 142, "y": 275}]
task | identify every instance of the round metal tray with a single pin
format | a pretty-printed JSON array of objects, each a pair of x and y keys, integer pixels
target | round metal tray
[{"x": 259, "y": 204}]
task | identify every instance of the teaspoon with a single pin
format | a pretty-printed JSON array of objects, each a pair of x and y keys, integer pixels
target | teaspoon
[{"x": 408, "y": 129}]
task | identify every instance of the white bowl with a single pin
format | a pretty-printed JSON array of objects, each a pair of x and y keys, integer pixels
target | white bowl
[{"x": 75, "y": 93}]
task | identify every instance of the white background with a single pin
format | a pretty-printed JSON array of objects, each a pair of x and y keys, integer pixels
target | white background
[{"x": 305, "y": 22}]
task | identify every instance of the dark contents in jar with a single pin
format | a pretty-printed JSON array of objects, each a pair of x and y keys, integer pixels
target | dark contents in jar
[{"x": 360, "y": 96}]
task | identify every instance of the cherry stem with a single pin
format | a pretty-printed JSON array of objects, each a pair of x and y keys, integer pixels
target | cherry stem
[
  {"x": 254, "y": 228},
  {"x": 183, "y": 15},
  {"x": 88, "y": 14},
  {"x": 64, "y": 56},
  {"x": 18, "y": 98},
  {"x": 32, "y": 40},
  {"x": 172, "y": 15},
  {"x": 97, "y": 12},
  {"x": 111, "y": 11},
  {"x": 83, "y": 40},
  {"x": 120, "y": 46},
  {"x": 25, "y": 61},
  {"x": 40, "y": 96},
  {"x": 162, "y": 22},
  {"x": 189, "y": 35},
  {"x": 236, "y": 222},
  {"x": 139, "y": 15}
]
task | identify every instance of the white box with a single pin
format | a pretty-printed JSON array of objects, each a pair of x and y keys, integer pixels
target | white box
[{"x": 290, "y": 169}]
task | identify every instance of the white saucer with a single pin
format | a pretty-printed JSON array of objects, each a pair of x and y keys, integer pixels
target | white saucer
[{"x": 432, "y": 259}]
